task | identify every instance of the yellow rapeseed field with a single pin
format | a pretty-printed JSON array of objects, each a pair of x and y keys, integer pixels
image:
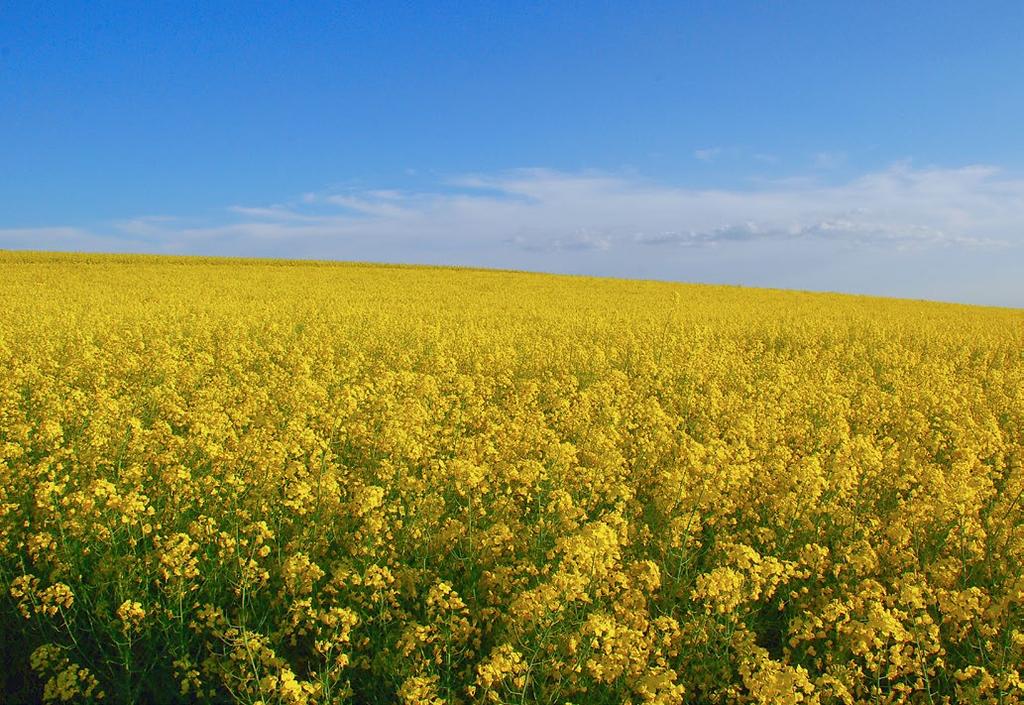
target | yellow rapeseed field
[{"x": 283, "y": 482}]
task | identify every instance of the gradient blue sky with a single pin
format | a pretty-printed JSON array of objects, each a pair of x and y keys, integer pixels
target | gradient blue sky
[{"x": 866, "y": 147}]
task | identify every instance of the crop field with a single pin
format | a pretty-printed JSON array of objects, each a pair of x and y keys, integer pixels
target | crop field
[{"x": 286, "y": 482}]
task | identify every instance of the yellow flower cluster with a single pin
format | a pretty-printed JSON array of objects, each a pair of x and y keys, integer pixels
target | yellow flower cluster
[
  {"x": 280, "y": 482},
  {"x": 131, "y": 613},
  {"x": 64, "y": 680}
]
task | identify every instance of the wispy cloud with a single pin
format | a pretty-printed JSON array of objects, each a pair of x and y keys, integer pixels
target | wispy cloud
[
  {"x": 796, "y": 232},
  {"x": 707, "y": 155},
  {"x": 72, "y": 239},
  {"x": 275, "y": 212},
  {"x": 829, "y": 160},
  {"x": 580, "y": 241},
  {"x": 835, "y": 231}
]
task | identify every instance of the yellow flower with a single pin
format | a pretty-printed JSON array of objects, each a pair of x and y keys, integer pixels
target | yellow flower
[
  {"x": 329, "y": 482},
  {"x": 131, "y": 615}
]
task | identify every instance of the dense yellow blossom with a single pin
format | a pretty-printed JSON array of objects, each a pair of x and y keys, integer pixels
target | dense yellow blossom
[
  {"x": 282, "y": 482},
  {"x": 131, "y": 613}
]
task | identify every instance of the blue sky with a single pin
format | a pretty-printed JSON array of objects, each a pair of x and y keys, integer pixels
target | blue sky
[{"x": 866, "y": 147}]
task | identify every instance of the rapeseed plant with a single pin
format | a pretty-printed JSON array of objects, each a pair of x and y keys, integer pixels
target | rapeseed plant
[{"x": 280, "y": 482}]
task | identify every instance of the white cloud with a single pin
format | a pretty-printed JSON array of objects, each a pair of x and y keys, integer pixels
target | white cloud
[
  {"x": 829, "y": 160},
  {"x": 707, "y": 155},
  {"x": 68, "y": 239},
  {"x": 940, "y": 232},
  {"x": 275, "y": 212}
]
